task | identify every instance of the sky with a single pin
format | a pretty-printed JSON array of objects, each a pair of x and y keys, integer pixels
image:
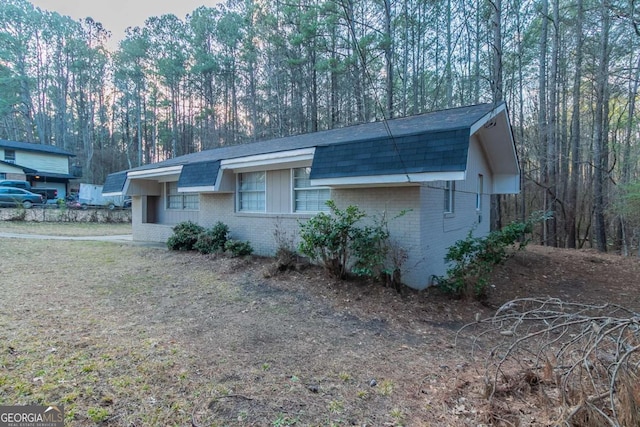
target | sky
[{"x": 117, "y": 15}]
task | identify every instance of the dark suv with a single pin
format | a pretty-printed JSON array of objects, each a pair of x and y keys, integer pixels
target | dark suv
[{"x": 11, "y": 196}]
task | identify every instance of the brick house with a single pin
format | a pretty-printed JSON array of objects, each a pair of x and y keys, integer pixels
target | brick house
[{"x": 441, "y": 166}]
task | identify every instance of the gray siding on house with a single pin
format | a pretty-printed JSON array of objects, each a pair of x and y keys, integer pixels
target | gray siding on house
[{"x": 279, "y": 191}]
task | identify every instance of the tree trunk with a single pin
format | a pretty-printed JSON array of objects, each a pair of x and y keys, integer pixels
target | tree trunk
[
  {"x": 543, "y": 133},
  {"x": 600, "y": 137},
  {"x": 574, "y": 174}
]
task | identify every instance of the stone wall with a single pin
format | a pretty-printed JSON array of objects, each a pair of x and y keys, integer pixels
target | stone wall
[{"x": 52, "y": 214}]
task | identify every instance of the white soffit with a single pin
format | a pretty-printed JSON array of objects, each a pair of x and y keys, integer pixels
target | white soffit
[
  {"x": 280, "y": 157},
  {"x": 154, "y": 173},
  {"x": 379, "y": 180},
  {"x": 201, "y": 189}
]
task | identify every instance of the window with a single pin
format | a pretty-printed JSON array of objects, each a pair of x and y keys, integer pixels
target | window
[
  {"x": 479, "y": 192},
  {"x": 181, "y": 201},
  {"x": 10, "y": 156},
  {"x": 306, "y": 197},
  {"x": 3, "y": 175},
  {"x": 252, "y": 192},
  {"x": 449, "y": 196}
]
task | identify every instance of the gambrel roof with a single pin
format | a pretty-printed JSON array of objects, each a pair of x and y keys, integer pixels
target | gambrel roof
[{"x": 425, "y": 147}]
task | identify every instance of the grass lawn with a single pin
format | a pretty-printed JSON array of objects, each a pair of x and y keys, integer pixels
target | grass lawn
[
  {"x": 124, "y": 335},
  {"x": 132, "y": 336},
  {"x": 65, "y": 228}
]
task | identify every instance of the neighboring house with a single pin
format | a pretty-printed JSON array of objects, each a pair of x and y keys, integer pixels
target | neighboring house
[
  {"x": 442, "y": 166},
  {"x": 41, "y": 165}
]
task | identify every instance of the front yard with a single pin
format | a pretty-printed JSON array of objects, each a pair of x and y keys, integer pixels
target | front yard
[{"x": 132, "y": 336}]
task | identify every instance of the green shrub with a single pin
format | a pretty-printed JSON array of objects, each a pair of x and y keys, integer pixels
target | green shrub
[
  {"x": 473, "y": 259},
  {"x": 238, "y": 248},
  {"x": 212, "y": 239},
  {"x": 185, "y": 235},
  {"x": 336, "y": 241},
  {"x": 326, "y": 237}
]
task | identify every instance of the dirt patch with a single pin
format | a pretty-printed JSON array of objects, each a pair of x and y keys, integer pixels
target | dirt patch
[
  {"x": 584, "y": 276},
  {"x": 124, "y": 335}
]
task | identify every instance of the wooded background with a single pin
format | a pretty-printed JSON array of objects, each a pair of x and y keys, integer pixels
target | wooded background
[{"x": 251, "y": 70}]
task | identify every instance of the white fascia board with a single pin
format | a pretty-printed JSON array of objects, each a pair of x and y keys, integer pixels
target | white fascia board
[
  {"x": 239, "y": 163},
  {"x": 201, "y": 189},
  {"x": 154, "y": 173},
  {"x": 486, "y": 118},
  {"x": 381, "y": 180}
]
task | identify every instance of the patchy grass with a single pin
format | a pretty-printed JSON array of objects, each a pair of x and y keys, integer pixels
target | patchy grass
[
  {"x": 123, "y": 335},
  {"x": 65, "y": 228},
  {"x": 126, "y": 335}
]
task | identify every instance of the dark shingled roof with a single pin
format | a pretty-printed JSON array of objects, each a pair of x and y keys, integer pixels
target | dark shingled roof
[
  {"x": 201, "y": 174},
  {"x": 434, "y": 152},
  {"x": 28, "y": 146},
  {"x": 436, "y": 141},
  {"x": 437, "y": 121},
  {"x": 114, "y": 182}
]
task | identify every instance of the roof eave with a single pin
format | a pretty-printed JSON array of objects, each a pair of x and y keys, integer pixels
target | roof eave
[{"x": 389, "y": 180}]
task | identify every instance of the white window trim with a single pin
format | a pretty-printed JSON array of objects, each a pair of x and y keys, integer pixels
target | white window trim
[
  {"x": 239, "y": 191},
  {"x": 311, "y": 188},
  {"x": 450, "y": 197}
]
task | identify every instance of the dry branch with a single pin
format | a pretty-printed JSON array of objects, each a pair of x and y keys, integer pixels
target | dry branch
[{"x": 585, "y": 358}]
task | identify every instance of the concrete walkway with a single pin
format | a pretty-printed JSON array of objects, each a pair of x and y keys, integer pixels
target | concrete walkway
[{"x": 121, "y": 238}]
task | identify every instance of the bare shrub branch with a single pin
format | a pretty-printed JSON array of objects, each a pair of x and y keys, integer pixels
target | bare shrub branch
[{"x": 582, "y": 358}]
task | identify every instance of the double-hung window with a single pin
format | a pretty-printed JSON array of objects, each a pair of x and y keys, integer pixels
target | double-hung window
[
  {"x": 449, "y": 196},
  {"x": 181, "y": 201},
  {"x": 252, "y": 192},
  {"x": 307, "y": 198}
]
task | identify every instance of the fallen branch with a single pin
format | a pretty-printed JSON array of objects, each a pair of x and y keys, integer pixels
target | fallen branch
[{"x": 589, "y": 354}]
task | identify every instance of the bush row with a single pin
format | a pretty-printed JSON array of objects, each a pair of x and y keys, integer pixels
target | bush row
[
  {"x": 189, "y": 236},
  {"x": 337, "y": 241}
]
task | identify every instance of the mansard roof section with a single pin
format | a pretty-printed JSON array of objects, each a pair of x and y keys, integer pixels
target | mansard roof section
[
  {"x": 114, "y": 184},
  {"x": 444, "y": 151},
  {"x": 199, "y": 176},
  {"x": 434, "y": 122}
]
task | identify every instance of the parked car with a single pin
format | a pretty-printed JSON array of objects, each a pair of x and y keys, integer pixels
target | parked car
[
  {"x": 47, "y": 193},
  {"x": 11, "y": 196}
]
